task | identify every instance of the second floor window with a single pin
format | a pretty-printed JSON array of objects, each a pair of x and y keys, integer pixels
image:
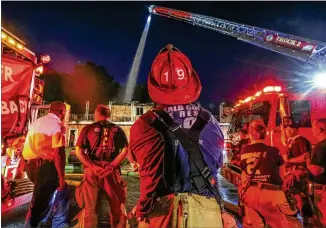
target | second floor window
[{"x": 139, "y": 111}]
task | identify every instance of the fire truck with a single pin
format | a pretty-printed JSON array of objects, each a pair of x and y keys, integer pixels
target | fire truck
[
  {"x": 273, "y": 102},
  {"x": 21, "y": 92}
]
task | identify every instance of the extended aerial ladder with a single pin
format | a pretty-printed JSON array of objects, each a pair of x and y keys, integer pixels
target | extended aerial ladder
[{"x": 310, "y": 51}]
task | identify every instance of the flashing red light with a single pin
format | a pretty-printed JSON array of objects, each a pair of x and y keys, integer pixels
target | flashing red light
[
  {"x": 272, "y": 89},
  {"x": 248, "y": 99},
  {"x": 45, "y": 59},
  {"x": 267, "y": 89},
  {"x": 39, "y": 70}
]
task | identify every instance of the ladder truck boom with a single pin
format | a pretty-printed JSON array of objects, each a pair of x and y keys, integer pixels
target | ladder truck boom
[{"x": 310, "y": 51}]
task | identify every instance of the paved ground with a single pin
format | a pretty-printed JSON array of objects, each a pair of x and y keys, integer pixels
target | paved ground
[{"x": 15, "y": 218}]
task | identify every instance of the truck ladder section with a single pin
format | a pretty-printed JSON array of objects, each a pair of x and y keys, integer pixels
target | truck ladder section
[{"x": 310, "y": 51}]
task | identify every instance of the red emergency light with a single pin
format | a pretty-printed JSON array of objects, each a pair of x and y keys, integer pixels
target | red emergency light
[
  {"x": 39, "y": 70},
  {"x": 45, "y": 59},
  {"x": 267, "y": 89}
]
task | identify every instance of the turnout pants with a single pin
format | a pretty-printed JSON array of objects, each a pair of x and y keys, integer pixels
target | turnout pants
[
  {"x": 303, "y": 201},
  {"x": 45, "y": 178},
  {"x": 270, "y": 207},
  {"x": 320, "y": 207},
  {"x": 303, "y": 205},
  {"x": 183, "y": 210},
  {"x": 88, "y": 196}
]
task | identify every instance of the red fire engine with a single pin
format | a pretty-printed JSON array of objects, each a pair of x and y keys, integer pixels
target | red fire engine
[
  {"x": 272, "y": 102},
  {"x": 21, "y": 90}
]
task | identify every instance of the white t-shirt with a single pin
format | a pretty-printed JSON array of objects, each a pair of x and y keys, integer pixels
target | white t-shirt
[{"x": 45, "y": 134}]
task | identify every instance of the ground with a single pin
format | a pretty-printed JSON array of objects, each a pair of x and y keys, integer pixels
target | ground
[{"x": 15, "y": 218}]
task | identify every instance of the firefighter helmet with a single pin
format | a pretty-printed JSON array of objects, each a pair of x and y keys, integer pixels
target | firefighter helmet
[{"x": 172, "y": 79}]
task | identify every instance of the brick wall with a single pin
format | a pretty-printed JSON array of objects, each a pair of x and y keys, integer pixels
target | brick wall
[{"x": 120, "y": 113}]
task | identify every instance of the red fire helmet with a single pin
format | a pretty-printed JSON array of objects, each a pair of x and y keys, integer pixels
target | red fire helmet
[{"x": 172, "y": 79}]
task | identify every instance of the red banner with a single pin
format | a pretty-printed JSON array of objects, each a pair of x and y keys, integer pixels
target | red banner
[
  {"x": 290, "y": 43},
  {"x": 16, "y": 77}
]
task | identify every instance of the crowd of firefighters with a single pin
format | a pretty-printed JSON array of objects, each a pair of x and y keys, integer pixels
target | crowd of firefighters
[
  {"x": 296, "y": 170},
  {"x": 178, "y": 147}
]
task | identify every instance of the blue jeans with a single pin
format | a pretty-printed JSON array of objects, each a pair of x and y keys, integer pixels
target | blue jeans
[
  {"x": 44, "y": 206},
  {"x": 59, "y": 208}
]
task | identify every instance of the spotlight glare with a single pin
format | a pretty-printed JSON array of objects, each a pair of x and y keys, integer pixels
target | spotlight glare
[
  {"x": 150, "y": 8},
  {"x": 320, "y": 80}
]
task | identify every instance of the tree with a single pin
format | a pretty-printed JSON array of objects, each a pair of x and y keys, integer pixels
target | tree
[
  {"x": 53, "y": 90},
  {"x": 89, "y": 82}
]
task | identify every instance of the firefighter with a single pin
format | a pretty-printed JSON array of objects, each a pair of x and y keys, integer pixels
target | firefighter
[
  {"x": 261, "y": 194},
  {"x": 297, "y": 145},
  {"x": 101, "y": 147},
  {"x": 45, "y": 156},
  {"x": 170, "y": 189},
  {"x": 244, "y": 140},
  {"x": 316, "y": 164}
]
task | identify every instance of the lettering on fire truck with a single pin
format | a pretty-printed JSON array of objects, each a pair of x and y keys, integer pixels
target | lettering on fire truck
[
  {"x": 291, "y": 43},
  {"x": 6, "y": 71},
  {"x": 11, "y": 107}
]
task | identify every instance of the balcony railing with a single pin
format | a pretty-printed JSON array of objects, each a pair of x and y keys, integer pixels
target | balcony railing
[
  {"x": 121, "y": 119},
  {"x": 81, "y": 117},
  {"x": 90, "y": 117}
]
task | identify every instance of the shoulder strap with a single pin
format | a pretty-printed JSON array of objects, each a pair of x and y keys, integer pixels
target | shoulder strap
[
  {"x": 193, "y": 150},
  {"x": 170, "y": 150}
]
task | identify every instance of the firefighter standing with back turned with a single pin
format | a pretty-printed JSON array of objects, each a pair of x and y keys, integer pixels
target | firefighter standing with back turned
[
  {"x": 101, "y": 147},
  {"x": 316, "y": 164},
  {"x": 172, "y": 190},
  {"x": 262, "y": 195}
]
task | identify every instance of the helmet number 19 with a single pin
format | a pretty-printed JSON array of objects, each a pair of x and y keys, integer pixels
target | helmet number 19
[{"x": 180, "y": 73}]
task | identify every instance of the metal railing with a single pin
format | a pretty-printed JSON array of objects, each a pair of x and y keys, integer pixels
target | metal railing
[
  {"x": 121, "y": 119},
  {"x": 81, "y": 117},
  {"x": 90, "y": 117}
]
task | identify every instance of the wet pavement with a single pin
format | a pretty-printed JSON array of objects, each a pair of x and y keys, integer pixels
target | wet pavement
[{"x": 15, "y": 218}]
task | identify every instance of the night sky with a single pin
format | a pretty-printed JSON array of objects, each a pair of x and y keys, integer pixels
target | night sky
[{"x": 108, "y": 33}]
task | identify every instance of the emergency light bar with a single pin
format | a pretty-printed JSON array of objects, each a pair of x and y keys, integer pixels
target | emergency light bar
[
  {"x": 17, "y": 45},
  {"x": 11, "y": 40},
  {"x": 267, "y": 89}
]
